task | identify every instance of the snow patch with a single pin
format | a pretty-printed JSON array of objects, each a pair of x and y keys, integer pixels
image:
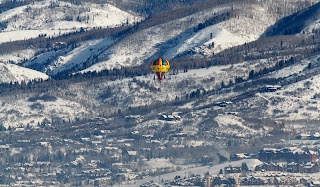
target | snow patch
[{"x": 14, "y": 73}]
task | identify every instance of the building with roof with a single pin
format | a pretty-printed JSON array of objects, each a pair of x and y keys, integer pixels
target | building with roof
[{"x": 287, "y": 154}]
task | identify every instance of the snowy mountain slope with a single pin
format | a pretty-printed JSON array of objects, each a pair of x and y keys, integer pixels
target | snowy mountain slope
[
  {"x": 80, "y": 55},
  {"x": 231, "y": 122},
  {"x": 179, "y": 37},
  {"x": 136, "y": 48},
  {"x": 229, "y": 33},
  {"x": 13, "y": 73},
  {"x": 111, "y": 96},
  {"x": 296, "y": 101},
  {"x": 312, "y": 22},
  {"x": 304, "y": 21},
  {"x": 241, "y": 23},
  {"x": 91, "y": 99},
  {"x": 58, "y": 17},
  {"x": 200, "y": 116},
  {"x": 281, "y": 105},
  {"x": 53, "y": 62},
  {"x": 292, "y": 103},
  {"x": 12, "y": 36}
]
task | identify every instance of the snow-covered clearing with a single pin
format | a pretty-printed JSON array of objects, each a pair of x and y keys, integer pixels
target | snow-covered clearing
[
  {"x": 58, "y": 17},
  {"x": 17, "y": 56},
  {"x": 21, "y": 112},
  {"x": 28, "y": 34},
  {"x": 159, "y": 163},
  {"x": 13, "y": 73},
  {"x": 213, "y": 170},
  {"x": 228, "y": 124}
]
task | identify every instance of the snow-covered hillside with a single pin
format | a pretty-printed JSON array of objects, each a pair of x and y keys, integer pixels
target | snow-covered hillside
[
  {"x": 171, "y": 39},
  {"x": 22, "y": 112},
  {"x": 17, "y": 56},
  {"x": 130, "y": 92},
  {"x": 66, "y": 59},
  {"x": 57, "y": 17},
  {"x": 13, "y": 73},
  {"x": 297, "y": 101},
  {"x": 214, "y": 102},
  {"x": 179, "y": 37},
  {"x": 239, "y": 23},
  {"x": 140, "y": 91}
]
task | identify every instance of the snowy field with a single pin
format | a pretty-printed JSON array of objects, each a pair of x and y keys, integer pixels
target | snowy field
[
  {"x": 16, "y": 113},
  {"x": 213, "y": 170},
  {"x": 58, "y": 17},
  {"x": 13, "y": 73}
]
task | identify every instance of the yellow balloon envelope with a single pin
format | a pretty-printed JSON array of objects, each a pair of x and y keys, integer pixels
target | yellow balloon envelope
[{"x": 160, "y": 66}]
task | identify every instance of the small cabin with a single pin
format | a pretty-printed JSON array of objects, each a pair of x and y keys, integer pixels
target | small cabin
[
  {"x": 45, "y": 144},
  {"x": 170, "y": 117},
  {"x": 272, "y": 88},
  {"x": 230, "y": 169},
  {"x": 4, "y": 148}
]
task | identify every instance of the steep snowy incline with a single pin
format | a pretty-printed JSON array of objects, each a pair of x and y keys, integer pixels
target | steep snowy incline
[
  {"x": 13, "y": 73},
  {"x": 311, "y": 21},
  {"x": 59, "y": 61},
  {"x": 304, "y": 21}
]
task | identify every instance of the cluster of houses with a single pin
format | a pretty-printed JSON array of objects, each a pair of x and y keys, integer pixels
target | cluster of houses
[
  {"x": 83, "y": 159},
  {"x": 292, "y": 167},
  {"x": 223, "y": 180},
  {"x": 128, "y": 152},
  {"x": 165, "y": 117},
  {"x": 291, "y": 154}
]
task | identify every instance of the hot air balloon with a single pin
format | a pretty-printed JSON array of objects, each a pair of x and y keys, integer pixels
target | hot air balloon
[{"x": 159, "y": 67}]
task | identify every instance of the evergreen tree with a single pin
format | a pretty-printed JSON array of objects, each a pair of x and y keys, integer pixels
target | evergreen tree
[
  {"x": 2, "y": 128},
  {"x": 244, "y": 166}
]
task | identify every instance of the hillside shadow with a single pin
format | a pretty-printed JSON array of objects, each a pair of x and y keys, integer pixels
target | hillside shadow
[{"x": 294, "y": 23}]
